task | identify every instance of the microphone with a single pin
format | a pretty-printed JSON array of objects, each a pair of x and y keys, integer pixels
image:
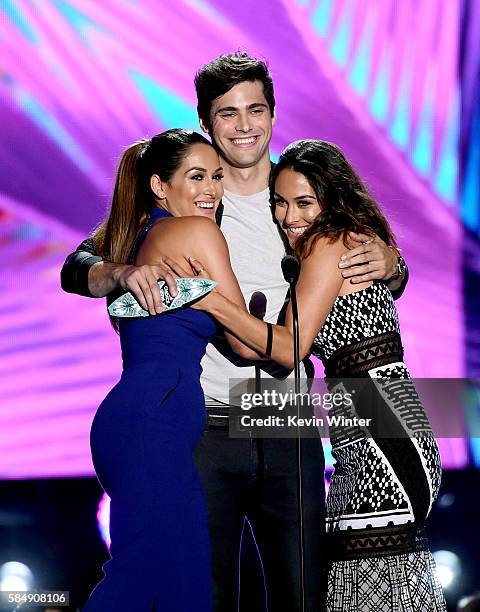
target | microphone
[
  {"x": 257, "y": 308},
  {"x": 291, "y": 272},
  {"x": 258, "y": 305},
  {"x": 290, "y": 269}
]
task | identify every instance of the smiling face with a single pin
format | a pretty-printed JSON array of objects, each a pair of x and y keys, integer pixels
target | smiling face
[
  {"x": 296, "y": 205},
  {"x": 241, "y": 124},
  {"x": 195, "y": 188}
]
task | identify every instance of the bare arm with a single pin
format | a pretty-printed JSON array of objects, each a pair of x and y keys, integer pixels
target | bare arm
[
  {"x": 141, "y": 280},
  {"x": 318, "y": 286},
  {"x": 201, "y": 239},
  {"x": 87, "y": 274}
]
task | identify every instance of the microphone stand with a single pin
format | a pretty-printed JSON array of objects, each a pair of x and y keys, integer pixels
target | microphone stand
[{"x": 291, "y": 269}]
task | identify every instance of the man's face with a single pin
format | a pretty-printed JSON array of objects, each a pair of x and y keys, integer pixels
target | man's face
[{"x": 241, "y": 124}]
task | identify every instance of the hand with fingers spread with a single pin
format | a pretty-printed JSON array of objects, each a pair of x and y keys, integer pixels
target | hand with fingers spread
[
  {"x": 142, "y": 281},
  {"x": 372, "y": 259}
]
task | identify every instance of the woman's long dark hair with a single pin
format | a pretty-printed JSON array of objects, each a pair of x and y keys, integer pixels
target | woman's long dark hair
[
  {"x": 344, "y": 199},
  {"x": 133, "y": 197}
]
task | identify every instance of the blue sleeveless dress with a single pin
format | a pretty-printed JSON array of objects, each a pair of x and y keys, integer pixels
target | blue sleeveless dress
[{"x": 142, "y": 440}]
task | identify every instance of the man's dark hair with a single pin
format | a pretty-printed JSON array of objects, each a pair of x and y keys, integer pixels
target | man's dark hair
[{"x": 224, "y": 72}]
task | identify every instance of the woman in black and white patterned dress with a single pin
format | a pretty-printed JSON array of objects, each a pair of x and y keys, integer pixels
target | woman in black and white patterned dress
[
  {"x": 386, "y": 477},
  {"x": 383, "y": 485}
]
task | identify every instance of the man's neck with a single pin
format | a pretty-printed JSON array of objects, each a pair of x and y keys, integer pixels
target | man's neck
[{"x": 247, "y": 181}]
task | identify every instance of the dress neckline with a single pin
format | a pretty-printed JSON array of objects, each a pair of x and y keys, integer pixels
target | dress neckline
[
  {"x": 158, "y": 213},
  {"x": 360, "y": 291}
]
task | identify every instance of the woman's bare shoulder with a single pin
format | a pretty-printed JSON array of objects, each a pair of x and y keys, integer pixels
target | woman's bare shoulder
[
  {"x": 184, "y": 236},
  {"x": 182, "y": 228},
  {"x": 324, "y": 247},
  {"x": 185, "y": 224},
  {"x": 323, "y": 260}
]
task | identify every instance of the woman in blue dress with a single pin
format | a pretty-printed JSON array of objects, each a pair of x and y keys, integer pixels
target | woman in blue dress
[{"x": 145, "y": 431}]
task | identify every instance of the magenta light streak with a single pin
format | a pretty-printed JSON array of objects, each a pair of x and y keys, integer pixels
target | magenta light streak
[{"x": 454, "y": 453}]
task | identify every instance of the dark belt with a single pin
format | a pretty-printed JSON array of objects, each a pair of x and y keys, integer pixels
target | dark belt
[
  {"x": 218, "y": 416},
  {"x": 375, "y": 542},
  {"x": 356, "y": 359}
]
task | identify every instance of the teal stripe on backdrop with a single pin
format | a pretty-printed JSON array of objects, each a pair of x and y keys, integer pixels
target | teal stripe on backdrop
[
  {"x": 59, "y": 134},
  {"x": 447, "y": 174},
  {"x": 80, "y": 21},
  {"x": 361, "y": 64},
  {"x": 471, "y": 180},
  {"x": 379, "y": 102},
  {"x": 342, "y": 40},
  {"x": 322, "y": 16},
  {"x": 172, "y": 110},
  {"x": 15, "y": 15}
]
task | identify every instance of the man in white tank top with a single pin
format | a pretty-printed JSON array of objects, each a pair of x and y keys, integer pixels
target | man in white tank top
[{"x": 252, "y": 478}]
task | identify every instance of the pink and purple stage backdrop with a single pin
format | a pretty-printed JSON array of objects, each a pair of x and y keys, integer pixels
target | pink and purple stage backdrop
[{"x": 80, "y": 79}]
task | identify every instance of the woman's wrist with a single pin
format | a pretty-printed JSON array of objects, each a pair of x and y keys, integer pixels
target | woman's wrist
[
  {"x": 216, "y": 304},
  {"x": 210, "y": 303}
]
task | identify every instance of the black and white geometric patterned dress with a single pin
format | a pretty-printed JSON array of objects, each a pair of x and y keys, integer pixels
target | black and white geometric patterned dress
[{"x": 383, "y": 486}]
